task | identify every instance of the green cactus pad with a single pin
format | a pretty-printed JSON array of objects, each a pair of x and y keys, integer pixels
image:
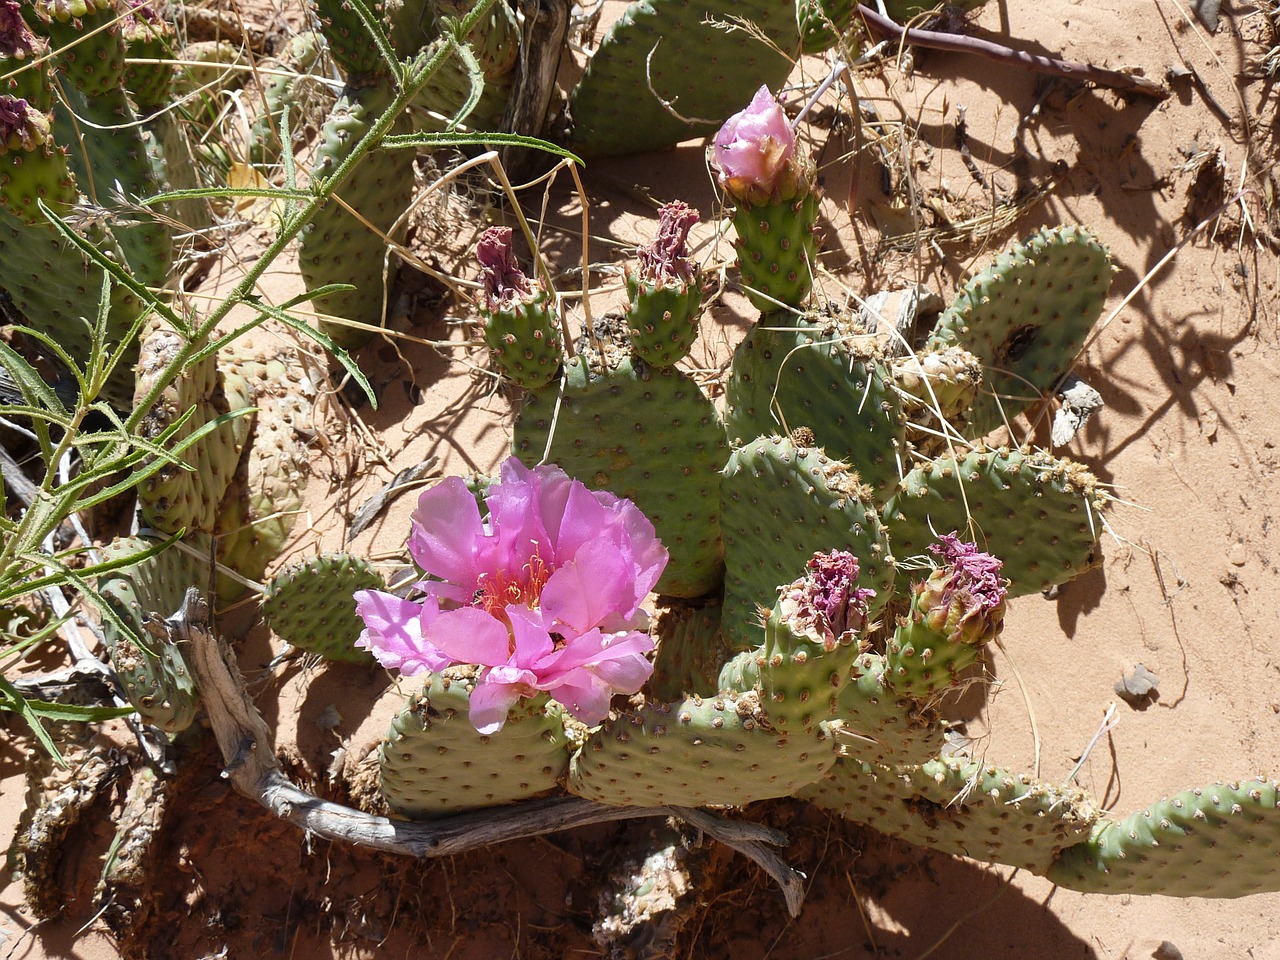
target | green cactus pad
[
  {"x": 1217, "y": 841},
  {"x": 663, "y": 320},
  {"x": 1026, "y": 317},
  {"x": 962, "y": 807},
  {"x": 822, "y": 22},
  {"x": 434, "y": 763},
  {"x": 880, "y": 726},
  {"x": 284, "y": 94},
  {"x": 715, "y": 750},
  {"x": 1035, "y": 512},
  {"x": 155, "y": 677},
  {"x": 690, "y": 650},
  {"x": 777, "y": 251},
  {"x": 59, "y": 291},
  {"x": 647, "y": 434},
  {"x": 265, "y": 496},
  {"x": 495, "y": 41},
  {"x": 524, "y": 340},
  {"x": 825, "y": 374},
  {"x": 312, "y": 605},
  {"x": 781, "y": 505},
  {"x": 335, "y": 247},
  {"x": 682, "y": 53},
  {"x": 175, "y": 498}
]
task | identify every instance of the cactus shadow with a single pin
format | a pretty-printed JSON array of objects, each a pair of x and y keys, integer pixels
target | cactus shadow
[{"x": 872, "y": 896}]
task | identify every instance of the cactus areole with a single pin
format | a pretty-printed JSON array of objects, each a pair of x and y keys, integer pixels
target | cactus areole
[{"x": 543, "y": 595}]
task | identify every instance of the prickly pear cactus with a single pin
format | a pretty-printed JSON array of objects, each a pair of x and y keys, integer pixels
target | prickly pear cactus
[
  {"x": 1214, "y": 841},
  {"x": 312, "y": 606},
  {"x": 149, "y": 663},
  {"x": 433, "y": 762},
  {"x": 1025, "y": 317}
]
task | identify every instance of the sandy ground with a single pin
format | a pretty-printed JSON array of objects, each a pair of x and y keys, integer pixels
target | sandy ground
[{"x": 1187, "y": 440}]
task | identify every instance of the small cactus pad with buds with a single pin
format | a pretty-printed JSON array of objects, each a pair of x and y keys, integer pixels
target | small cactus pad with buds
[
  {"x": 312, "y": 606},
  {"x": 955, "y": 612},
  {"x": 781, "y": 504},
  {"x": 664, "y": 292},
  {"x": 521, "y": 328},
  {"x": 1037, "y": 513}
]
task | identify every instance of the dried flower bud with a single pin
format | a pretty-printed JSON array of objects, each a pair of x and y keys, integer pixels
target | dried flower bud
[
  {"x": 666, "y": 260},
  {"x": 965, "y": 597}
]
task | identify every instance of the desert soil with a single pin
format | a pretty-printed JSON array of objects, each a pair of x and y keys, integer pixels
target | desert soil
[{"x": 1188, "y": 586}]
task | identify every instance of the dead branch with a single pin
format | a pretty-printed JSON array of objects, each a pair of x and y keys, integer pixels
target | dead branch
[
  {"x": 1036, "y": 63},
  {"x": 253, "y": 770}
]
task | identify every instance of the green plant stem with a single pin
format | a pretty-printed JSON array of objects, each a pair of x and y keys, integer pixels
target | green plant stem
[{"x": 415, "y": 78}]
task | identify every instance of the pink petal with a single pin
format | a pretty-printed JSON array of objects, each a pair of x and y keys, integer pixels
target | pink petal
[
  {"x": 593, "y": 649},
  {"x": 470, "y": 635},
  {"x": 599, "y": 581},
  {"x": 394, "y": 631},
  {"x": 490, "y": 704},
  {"x": 532, "y": 640},
  {"x": 584, "y": 697},
  {"x": 448, "y": 538}
]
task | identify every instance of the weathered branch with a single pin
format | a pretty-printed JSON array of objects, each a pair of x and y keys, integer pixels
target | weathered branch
[
  {"x": 1036, "y": 63},
  {"x": 252, "y": 768}
]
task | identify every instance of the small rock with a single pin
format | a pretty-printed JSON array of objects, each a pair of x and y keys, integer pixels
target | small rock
[
  {"x": 1166, "y": 951},
  {"x": 1138, "y": 688},
  {"x": 1238, "y": 556}
]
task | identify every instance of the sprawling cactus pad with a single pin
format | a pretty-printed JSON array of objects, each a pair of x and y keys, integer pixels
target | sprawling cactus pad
[
  {"x": 701, "y": 750},
  {"x": 1037, "y": 513},
  {"x": 312, "y": 605},
  {"x": 1026, "y": 316},
  {"x": 961, "y": 806},
  {"x": 1217, "y": 841},
  {"x": 434, "y": 763},
  {"x": 647, "y": 434}
]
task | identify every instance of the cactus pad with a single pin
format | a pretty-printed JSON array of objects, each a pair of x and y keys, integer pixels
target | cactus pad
[
  {"x": 702, "y": 750},
  {"x": 1217, "y": 841},
  {"x": 682, "y": 53},
  {"x": 962, "y": 807},
  {"x": 783, "y": 504},
  {"x": 825, "y": 374},
  {"x": 1026, "y": 317},
  {"x": 1035, "y": 512},
  {"x": 647, "y": 434},
  {"x": 434, "y": 763},
  {"x": 312, "y": 606},
  {"x": 155, "y": 677}
]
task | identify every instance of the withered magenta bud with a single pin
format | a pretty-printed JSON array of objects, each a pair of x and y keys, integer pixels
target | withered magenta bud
[
  {"x": 826, "y": 602},
  {"x": 505, "y": 283},
  {"x": 965, "y": 597},
  {"x": 666, "y": 260}
]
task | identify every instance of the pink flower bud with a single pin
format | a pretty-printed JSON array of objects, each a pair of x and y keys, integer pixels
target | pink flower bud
[{"x": 754, "y": 149}]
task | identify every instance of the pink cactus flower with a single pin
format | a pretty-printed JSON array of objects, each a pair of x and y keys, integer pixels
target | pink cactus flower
[
  {"x": 754, "y": 148},
  {"x": 544, "y": 595}
]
